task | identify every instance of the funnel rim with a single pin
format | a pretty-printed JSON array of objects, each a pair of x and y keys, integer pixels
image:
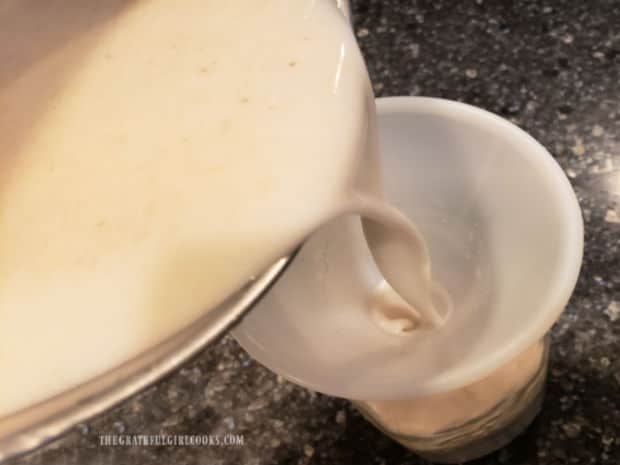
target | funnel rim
[{"x": 554, "y": 299}]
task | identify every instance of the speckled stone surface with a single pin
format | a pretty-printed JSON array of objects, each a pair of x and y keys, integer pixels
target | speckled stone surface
[{"x": 552, "y": 67}]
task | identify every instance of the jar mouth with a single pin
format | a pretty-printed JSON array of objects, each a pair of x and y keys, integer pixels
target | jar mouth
[{"x": 479, "y": 435}]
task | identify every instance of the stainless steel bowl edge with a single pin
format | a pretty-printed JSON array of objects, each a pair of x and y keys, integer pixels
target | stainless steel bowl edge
[{"x": 36, "y": 425}]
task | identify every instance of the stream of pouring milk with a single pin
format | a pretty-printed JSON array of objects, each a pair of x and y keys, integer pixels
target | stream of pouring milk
[{"x": 155, "y": 155}]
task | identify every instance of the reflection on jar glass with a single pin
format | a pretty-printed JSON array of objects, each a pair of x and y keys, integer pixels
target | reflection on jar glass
[{"x": 472, "y": 421}]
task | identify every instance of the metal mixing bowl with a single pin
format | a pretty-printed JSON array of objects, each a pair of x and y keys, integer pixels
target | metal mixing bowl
[{"x": 45, "y": 421}]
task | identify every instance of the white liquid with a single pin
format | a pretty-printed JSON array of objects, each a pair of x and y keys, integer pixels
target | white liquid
[
  {"x": 154, "y": 156},
  {"x": 401, "y": 256}
]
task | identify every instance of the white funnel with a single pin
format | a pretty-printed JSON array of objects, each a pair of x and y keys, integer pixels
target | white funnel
[{"x": 505, "y": 236}]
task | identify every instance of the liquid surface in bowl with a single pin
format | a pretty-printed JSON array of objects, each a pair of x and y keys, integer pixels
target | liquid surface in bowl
[{"x": 156, "y": 154}]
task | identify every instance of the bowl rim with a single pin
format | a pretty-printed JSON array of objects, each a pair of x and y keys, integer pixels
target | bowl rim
[{"x": 35, "y": 425}]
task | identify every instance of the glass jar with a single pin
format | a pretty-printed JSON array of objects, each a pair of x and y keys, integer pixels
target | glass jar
[{"x": 472, "y": 421}]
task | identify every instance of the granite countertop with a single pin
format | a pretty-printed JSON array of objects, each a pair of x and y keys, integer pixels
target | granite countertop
[{"x": 553, "y": 68}]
